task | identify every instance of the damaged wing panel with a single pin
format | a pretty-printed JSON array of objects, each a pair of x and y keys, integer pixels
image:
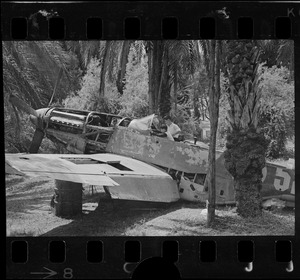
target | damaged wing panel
[
  {"x": 125, "y": 178},
  {"x": 152, "y": 189},
  {"x": 54, "y": 167}
]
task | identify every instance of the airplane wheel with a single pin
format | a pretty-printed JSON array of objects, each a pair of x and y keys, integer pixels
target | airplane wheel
[{"x": 69, "y": 198}]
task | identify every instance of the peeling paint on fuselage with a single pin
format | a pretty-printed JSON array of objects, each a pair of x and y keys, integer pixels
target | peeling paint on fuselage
[
  {"x": 160, "y": 151},
  {"x": 154, "y": 147},
  {"x": 131, "y": 144},
  {"x": 193, "y": 157},
  {"x": 183, "y": 157}
]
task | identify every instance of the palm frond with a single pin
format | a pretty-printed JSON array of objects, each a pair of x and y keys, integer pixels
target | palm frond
[{"x": 285, "y": 53}]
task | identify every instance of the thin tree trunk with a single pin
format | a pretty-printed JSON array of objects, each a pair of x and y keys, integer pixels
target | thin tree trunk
[
  {"x": 196, "y": 103},
  {"x": 205, "y": 46},
  {"x": 292, "y": 66},
  {"x": 210, "y": 179},
  {"x": 175, "y": 88},
  {"x": 103, "y": 69},
  {"x": 154, "y": 72},
  {"x": 214, "y": 96},
  {"x": 122, "y": 66},
  {"x": 164, "y": 86},
  {"x": 157, "y": 72},
  {"x": 150, "y": 54},
  {"x": 162, "y": 77}
]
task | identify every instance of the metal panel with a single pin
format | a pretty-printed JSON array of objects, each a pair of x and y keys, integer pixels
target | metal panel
[
  {"x": 138, "y": 167},
  {"x": 52, "y": 166},
  {"x": 145, "y": 189},
  {"x": 139, "y": 181},
  {"x": 277, "y": 180},
  {"x": 161, "y": 151},
  {"x": 195, "y": 192}
]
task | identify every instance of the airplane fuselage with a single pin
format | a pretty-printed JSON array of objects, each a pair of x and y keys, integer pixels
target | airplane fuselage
[{"x": 84, "y": 132}]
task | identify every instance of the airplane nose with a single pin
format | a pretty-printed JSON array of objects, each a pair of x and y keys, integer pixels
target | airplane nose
[
  {"x": 41, "y": 113},
  {"x": 33, "y": 119}
]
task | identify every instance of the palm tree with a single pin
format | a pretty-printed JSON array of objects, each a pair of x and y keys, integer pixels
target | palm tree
[
  {"x": 167, "y": 60},
  {"x": 112, "y": 54},
  {"x": 285, "y": 55},
  {"x": 123, "y": 60},
  {"x": 15, "y": 77},
  {"x": 32, "y": 70},
  {"x": 104, "y": 65},
  {"x": 84, "y": 51},
  {"x": 246, "y": 145},
  {"x": 154, "y": 50},
  {"x": 164, "y": 84},
  {"x": 278, "y": 52}
]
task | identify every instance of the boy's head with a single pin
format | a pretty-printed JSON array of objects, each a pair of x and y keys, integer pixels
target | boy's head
[
  {"x": 155, "y": 120},
  {"x": 164, "y": 128},
  {"x": 168, "y": 120}
]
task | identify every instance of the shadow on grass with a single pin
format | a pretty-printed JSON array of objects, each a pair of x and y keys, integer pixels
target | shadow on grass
[
  {"x": 10, "y": 181},
  {"x": 189, "y": 223},
  {"x": 113, "y": 217},
  {"x": 28, "y": 190},
  {"x": 27, "y": 206}
]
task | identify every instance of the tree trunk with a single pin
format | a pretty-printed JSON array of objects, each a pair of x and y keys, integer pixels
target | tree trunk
[
  {"x": 150, "y": 54},
  {"x": 164, "y": 86},
  {"x": 214, "y": 96},
  {"x": 292, "y": 66},
  {"x": 103, "y": 70},
  {"x": 175, "y": 88},
  {"x": 248, "y": 197},
  {"x": 196, "y": 103},
  {"x": 246, "y": 145},
  {"x": 205, "y": 47},
  {"x": 154, "y": 71},
  {"x": 122, "y": 66}
]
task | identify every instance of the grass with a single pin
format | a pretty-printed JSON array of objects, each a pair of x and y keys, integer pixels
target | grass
[
  {"x": 187, "y": 221},
  {"x": 29, "y": 214}
]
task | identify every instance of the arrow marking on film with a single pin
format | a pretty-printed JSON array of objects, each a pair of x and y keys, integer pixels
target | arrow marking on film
[{"x": 49, "y": 272}]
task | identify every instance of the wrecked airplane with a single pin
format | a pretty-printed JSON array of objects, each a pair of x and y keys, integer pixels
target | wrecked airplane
[{"x": 132, "y": 159}]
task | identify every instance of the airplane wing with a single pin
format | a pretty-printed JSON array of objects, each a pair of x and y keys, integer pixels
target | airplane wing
[
  {"x": 55, "y": 167},
  {"x": 126, "y": 178}
]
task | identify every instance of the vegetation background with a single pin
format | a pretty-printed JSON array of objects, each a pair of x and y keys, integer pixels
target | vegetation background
[
  {"x": 136, "y": 78},
  {"x": 253, "y": 118}
]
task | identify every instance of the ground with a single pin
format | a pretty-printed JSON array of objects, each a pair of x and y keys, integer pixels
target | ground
[{"x": 29, "y": 214}]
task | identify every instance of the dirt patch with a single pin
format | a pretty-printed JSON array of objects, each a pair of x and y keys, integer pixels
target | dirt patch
[{"x": 29, "y": 214}]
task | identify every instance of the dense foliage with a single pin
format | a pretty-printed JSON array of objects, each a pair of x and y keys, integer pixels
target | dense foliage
[
  {"x": 278, "y": 93},
  {"x": 276, "y": 115},
  {"x": 69, "y": 74}
]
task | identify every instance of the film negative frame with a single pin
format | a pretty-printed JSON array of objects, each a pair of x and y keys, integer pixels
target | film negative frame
[{"x": 181, "y": 255}]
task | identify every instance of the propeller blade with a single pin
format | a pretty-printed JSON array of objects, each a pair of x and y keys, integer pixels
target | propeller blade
[
  {"x": 22, "y": 105},
  {"x": 56, "y": 84},
  {"x": 36, "y": 141}
]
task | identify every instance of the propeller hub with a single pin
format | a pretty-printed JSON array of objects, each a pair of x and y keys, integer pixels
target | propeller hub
[
  {"x": 33, "y": 119},
  {"x": 41, "y": 112},
  {"x": 38, "y": 119}
]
